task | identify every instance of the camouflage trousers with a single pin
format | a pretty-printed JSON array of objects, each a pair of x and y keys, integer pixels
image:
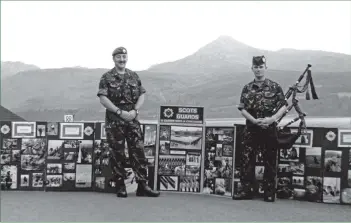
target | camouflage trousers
[
  {"x": 253, "y": 144},
  {"x": 131, "y": 133}
]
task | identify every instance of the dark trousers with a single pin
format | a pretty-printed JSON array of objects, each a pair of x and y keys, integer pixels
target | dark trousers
[
  {"x": 253, "y": 143},
  {"x": 116, "y": 138}
]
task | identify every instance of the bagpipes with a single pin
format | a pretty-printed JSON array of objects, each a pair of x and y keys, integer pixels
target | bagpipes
[{"x": 284, "y": 136}]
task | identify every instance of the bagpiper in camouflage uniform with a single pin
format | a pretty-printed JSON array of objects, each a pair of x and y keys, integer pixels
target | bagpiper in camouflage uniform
[
  {"x": 258, "y": 100},
  {"x": 122, "y": 94}
]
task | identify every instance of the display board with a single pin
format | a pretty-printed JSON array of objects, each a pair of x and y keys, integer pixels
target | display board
[
  {"x": 180, "y": 149},
  {"x": 103, "y": 177},
  {"x": 316, "y": 169},
  {"x": 218, "y": 166}
]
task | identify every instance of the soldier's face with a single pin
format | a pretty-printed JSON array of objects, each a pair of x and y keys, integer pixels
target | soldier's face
[
  {"x": 259, "y": 70},
  {"x": 120, "y": 60}
]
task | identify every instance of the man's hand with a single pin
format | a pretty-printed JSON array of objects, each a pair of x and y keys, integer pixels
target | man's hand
[
  {"x": 126, "y": 116},
  {"x": 261, "y": 122},
  {"x": 133, "y": 114},
  {"x": 267, "y": 121}
]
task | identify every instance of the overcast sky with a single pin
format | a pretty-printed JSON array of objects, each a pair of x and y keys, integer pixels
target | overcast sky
[{"x": 61, "y": 34}]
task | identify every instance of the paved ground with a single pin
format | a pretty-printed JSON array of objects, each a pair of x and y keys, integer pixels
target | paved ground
[{"x": 89, "y": 206}]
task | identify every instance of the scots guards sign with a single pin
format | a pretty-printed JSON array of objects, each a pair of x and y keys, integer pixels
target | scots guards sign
[{"x": 181, "y": 114}]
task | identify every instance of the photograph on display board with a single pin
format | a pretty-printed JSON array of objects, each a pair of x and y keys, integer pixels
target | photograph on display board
[
  {"x": 237, "y": 186},
  {"x": 150, "y": 140},
  {"x": 100, "y": 183},
  {"x": 346, "y": 196},
  {"x": 69, "y": 178},
  {"x": 227, "y": 150},
  {"x": 284, "y": 188},
  {"x": 223, "y": 168},
  {"x": 284, "y": 168},
  {"x": 165, "y": 133},
  {"x": 71, "y": 130},
  {"x": 33, "y": 153},
  {"x": 85, "y": 152},
  {"x": 297, "y": 168},
  {"x": 290, "y": 155},
  {"x": 331, "y": 190},
  {"x": 8, "y": 177},
  {"x": 223, "y": 187},
  {"x": 54, "y": 168},
  {"x": 23, "y": 130},
  {"x": 169, "y": 183},
  {"x": 102, "y": 131},
  {"x": 305, "y": 140},
  {"x": 189, "y": 184},
  {"x": 171, "y": 165},
  {"x": 52, "y": 129},
  {"x": 37, "y": 180},
  {"x": 332, "y": 161},
  {"x": 350, "y": 157},
  {"x": 24, "y": 180},
  {"x": 349, "y": 178},
  {"x": 165, "y": 147},
  {"x": 344, "y": 138},
  {"x": 9, "y": 152},
  {"x": 54, "y": 180},
  {"x": 83, "y": 176},
  {"x": 41, "y": 130},
  {"x": 69, "y": 167},
  {"x": 259, "y": 171},
  {"x": 186, "y": 137},
  {"x": 314, "y": 157},
  {"x": 298, "y": 181},
  {"x": 314, "y": 188},
  {"x": 55, "y": 149},
  {"x": 16, "y": 156},
  {"x": 209, "y": 185}
]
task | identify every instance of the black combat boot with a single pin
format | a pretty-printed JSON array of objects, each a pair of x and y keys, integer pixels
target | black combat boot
[
  {"x": 145, "y": 191},
  {"x": 269, "y": 192},
  {"x": 121, "y": 190},
  {"x": 245, "y": 194}
]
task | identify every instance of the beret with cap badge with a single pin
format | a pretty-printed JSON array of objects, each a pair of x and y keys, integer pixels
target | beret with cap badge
[
  {"x": 119, "y": 50},
  {"x": 258, "y": 60}
]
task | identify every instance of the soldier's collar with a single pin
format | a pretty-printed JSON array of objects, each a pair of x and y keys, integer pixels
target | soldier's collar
[
  {"x": 115, "y": 73},
  {"x": 265, "y": 82}
]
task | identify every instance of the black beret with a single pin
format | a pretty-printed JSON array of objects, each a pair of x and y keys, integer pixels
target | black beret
[
  {"x": 258, "y": 60},
  {"x": 119, "y": 50}
]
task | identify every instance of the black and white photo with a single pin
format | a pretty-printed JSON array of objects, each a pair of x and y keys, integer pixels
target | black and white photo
[
  {"x": 332, "y": 161},
  {"x": 8, "y": 177},
  {"x": 41, "y": 130},
  {"x": 314, "y": 157},
  {"x": 165, "y": 133},
  {"x": 83, "y": 175},
  {"x": 305, "y": 140},
  {"x": 54, "y": 168},
  {"x": 171, "y": 165},
  {"x": 23, "y": 129},
  {"x": 291, "y": 155},
  {"x": 69, "y": 177},
  {"x": 33, "y": 153},
  {"x": 259, "y": 172},
  {"x": 297, "y": 168},
  {"x": 349, "y": 178},
  {"x": 24, "y": 180},
  {"x": 165, "y": 147},
  {"x": 189, "y": 184},
  {"x": 55, "y": 149},
  {"x": 37, "y": 180},
  {"x": 85, "y": 152},
  {"x": 298, "y": 181},
  {"x": 227, "y": 150},
  {"x": 100, "y": 183},
  {"x": 223, "y": 187},
  {"x": 52, "y": 129},
  {"x": 69, "y": 167},
  {"x": 314, "y": 188},
  {"x": 346, "y": 196},
  {"x": 186, "y": 137},
  {"x": 71, "y": 130},
  {"x": 331, "y": 190},
  {"x": 54, "y": 180},
  {"x": 169, "y": 183}
]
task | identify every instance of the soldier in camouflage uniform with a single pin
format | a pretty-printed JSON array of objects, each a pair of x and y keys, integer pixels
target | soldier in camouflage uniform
[
  {"x": 122, "y": 94},
  {"x": 258, "y": 100}
]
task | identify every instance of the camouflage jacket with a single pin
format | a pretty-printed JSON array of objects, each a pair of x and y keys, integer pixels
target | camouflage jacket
[
  {"x": 261, "y": 99},
  {"x": 122, "y": 90}
]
